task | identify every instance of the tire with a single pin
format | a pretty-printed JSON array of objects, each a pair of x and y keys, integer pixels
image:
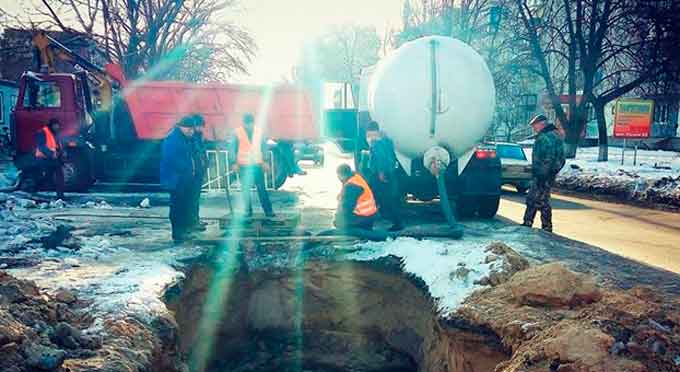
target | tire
[
  {"x": 465, "y": 207},
  {"x": 77, "y": 172},
  {"x": 281, "y": 171},
  {"x": 488, "y": 206}
]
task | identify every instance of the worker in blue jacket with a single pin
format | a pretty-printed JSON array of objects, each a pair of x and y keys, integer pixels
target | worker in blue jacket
[
  {"x": 177, "y": 173},
  {"x": 201, "y": 164}
]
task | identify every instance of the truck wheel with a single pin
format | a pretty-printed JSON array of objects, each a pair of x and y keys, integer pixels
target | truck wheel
[
  {"x": 77, "y": 172},
  {"x": 465, "y": 207},
  {"x": 280, "y": 169},
  {"x": 488, "y": 206}
]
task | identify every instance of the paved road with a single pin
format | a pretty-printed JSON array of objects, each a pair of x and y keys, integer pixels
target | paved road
[{"x": 645, "y": 235}]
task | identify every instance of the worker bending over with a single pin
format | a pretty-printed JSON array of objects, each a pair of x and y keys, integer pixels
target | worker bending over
[
  {"x": 356, "y": 204},
  {"x": 382, "y": 175},
  {"x": 178, "y": 176},
  {"x": 48, "y": 155},
  {"x": 248, "y": 146}
]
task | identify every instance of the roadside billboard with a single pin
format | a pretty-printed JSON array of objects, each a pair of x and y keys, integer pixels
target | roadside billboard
[{"x": 633, "y": 118}]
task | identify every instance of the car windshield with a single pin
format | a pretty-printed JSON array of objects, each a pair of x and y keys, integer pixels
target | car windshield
[{"x": 510, "y": 152}]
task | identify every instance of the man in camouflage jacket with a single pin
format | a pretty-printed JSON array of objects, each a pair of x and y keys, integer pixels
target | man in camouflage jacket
[{"x": 547, "y": 160}]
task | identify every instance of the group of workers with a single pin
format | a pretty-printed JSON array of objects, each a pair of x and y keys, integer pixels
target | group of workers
[
  {"x": 183, "y": 165},
  {"x": 361, "y": 198},
  {"x": 363, "y": 195}
]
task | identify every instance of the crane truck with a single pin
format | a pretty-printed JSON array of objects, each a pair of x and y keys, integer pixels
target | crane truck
[
  {"x": 434, "y": 97},
  {"x": 112, "y": 127}
]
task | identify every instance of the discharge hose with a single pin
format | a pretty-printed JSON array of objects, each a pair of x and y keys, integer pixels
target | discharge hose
[{"x": 437, "y": 159}]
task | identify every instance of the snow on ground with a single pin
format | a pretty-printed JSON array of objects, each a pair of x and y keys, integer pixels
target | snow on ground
[
  {"x": 118, "y": 271},
  {"x": 450, "y": 269},
  {"x": 8, "y": 173},
  {"x": 655, "y": 179},
  {"x": 320, "y": 188}
]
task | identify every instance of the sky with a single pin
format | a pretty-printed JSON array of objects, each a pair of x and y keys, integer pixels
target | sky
[{"x": 281, "y": 28}]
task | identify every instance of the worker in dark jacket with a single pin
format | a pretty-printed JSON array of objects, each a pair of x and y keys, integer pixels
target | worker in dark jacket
[
  {"x": 356, "y": 203},
  {"x": 248, "y": 147},
  {"x": 201, "y": 161},
  {"x": 48, "y": 154},
  {"x": 547, "y": 160},
  {"x": 382, "y": 171},
  {"x": 178, "y": 172}
]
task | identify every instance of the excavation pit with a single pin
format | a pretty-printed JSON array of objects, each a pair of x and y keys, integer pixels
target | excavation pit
[{"x": 268, "y": 308}]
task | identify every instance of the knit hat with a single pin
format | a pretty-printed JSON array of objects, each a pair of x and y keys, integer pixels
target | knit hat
[
  {"x": 187, "y": 122},
  {"x": 538, "y": 118}
]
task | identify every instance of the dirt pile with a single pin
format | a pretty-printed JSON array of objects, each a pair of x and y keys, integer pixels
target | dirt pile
[
  {"x": 55, "y": 333},
  {"x": 549, "y": 318}
]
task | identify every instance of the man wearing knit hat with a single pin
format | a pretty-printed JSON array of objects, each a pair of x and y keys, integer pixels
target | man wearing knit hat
[
  {"x": 178, "y": 171},
  {"x": 547, "y": 159}
]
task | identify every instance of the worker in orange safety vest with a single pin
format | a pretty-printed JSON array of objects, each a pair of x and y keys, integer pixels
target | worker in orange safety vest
[
  {"x": 48, "y": 154},
  {"x": 356, "y": 203},
  {"x": 247, "y": 147}
]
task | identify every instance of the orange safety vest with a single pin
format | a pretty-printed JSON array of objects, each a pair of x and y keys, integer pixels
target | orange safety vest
[
  {"x": 247, "y": 152},
  {"x": 50, "y": 142},
  {"x": 366, "y": 203}
]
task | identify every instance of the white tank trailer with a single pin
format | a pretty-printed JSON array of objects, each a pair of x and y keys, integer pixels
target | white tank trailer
[{"x": 435, "y": 98}]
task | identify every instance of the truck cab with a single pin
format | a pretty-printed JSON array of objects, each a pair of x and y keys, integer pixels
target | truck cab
[{"x": 42, "y": 97}]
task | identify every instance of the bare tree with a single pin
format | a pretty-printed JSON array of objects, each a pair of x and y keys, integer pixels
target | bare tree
[
  {"x": 185, "y": 39},
  {"x": 592, "y": 49},
  {"x": 344, "y": 51}
]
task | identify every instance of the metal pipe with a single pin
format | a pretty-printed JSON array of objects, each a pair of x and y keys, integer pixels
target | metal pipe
[{"x": 433, "y": 76}]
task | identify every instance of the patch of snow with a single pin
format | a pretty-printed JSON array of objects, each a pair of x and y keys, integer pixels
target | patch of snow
[
  {"x": 57, "y": 204},
  {"x": 103, "y": 205},
  {"x": 21, "y": 232},
  {"x": 655, "y": 178},
  {"x": 146, "y": 203},
  {"x": 8, "y": 174},
  {"x": 438, "y": 264}
]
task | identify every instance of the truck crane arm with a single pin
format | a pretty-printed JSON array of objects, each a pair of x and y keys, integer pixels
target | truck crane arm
[{"x": 50, "y": 50}]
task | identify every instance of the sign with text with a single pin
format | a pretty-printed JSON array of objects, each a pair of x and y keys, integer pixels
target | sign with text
[{"x": 633, "y": 118}]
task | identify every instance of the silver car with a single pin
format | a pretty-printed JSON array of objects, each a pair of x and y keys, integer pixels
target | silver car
[{"x": 515, "y": 168}]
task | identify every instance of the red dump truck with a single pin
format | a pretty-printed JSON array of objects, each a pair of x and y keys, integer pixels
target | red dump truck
[{"x": 112, "y": 128}]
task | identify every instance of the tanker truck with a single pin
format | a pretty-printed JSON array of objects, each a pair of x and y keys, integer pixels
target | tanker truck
[{"x": 434, "y": 97}]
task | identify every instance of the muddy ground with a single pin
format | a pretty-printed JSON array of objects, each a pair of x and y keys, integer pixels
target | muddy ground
[{"x": 263, "y": 305}]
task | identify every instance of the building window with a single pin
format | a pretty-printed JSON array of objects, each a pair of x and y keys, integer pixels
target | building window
[{"x": 662, "y": 113}]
